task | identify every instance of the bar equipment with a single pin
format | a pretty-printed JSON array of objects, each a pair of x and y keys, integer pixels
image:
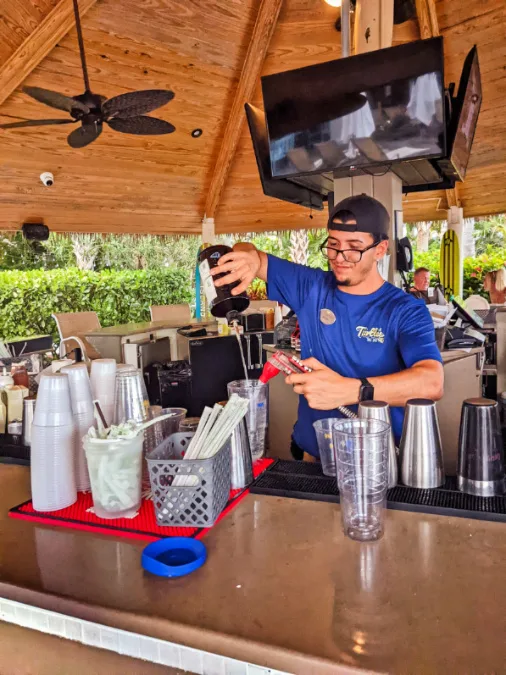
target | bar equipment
[
  {"x": 115, "y": 466},
  {"x": 421, "y": 457},
  {"x": 481, "y": 455},
  {"x": 28, "y": 411},
  {"x": 379, "y": 410},
  {"x": 221, "y": 301},
  {"x": 362, "y": 474},
  {"x": 323, "y": 429},
  {"x": 256, "y": 417},
  {"x": 83, "y": 413},
  {"x": 103, "y": 385},
  {"x": 241, "y": 468},
  {"x": 52, "y": 450}
]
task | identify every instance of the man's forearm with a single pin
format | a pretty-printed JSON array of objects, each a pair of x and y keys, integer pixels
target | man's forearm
[{"x": 424, "y": 380}]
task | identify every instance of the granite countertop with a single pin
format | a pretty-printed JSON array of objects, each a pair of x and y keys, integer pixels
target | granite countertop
[{"x": 282, "y": 587}]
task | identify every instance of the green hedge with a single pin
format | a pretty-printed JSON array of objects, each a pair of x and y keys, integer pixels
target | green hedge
[{"x": 27, "y": 299}]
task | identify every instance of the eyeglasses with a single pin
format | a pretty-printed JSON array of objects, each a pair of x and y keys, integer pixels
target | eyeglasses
[{"x": 351, "y": 255}]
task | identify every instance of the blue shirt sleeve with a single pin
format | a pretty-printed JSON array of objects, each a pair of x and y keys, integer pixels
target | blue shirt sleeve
[
  {"x": 417, "y": 339},
  {"x": 290, "y": 283}
]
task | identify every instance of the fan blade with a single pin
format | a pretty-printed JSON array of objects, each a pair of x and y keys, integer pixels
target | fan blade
[
  {"x": 34, "y": 123},
  {"x": 142, "y": 126},
  {"x": 55, "y": 100},
  {"x": 136, "y": 102},
  {"x": 85, "y": 135}
]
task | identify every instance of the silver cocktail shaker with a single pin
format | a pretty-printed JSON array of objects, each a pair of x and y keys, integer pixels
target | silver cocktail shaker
[
  {"x": 379, "y": 410},
  {"x": 421, "y": 457},
  {"x": 241, "y": 462},
  {"x": 28, "y": 409},
  {"x": 481, "y": 455}
]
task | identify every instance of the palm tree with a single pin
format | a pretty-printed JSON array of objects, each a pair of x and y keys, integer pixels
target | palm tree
[{"x": 490, "y": 232}]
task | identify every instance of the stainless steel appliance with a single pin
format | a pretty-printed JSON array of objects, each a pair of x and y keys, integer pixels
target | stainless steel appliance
[
  {"x": 241, "y": 462},
  {"x": 481, "y": 455},
  {"x": 421, "y": 457}
]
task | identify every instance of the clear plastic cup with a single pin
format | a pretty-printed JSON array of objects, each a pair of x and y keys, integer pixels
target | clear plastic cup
[
  {"x": 103, "y": 385},
  {"x": 53, "y": 401},
  {"x": 115, "y": 467},
  {"x": 256, "y": 418},
  {"x": 52, "y": 468},
  {"x": 361, "y": 447},
  {"x": 323, "y": 429},
  {"x": 189, "y": 424}
]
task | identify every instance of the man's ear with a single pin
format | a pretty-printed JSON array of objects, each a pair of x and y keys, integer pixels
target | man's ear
[{"x": 381, "y": 249}]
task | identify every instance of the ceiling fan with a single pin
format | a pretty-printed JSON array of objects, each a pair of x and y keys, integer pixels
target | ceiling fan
[{"x": 124, "y": 113}]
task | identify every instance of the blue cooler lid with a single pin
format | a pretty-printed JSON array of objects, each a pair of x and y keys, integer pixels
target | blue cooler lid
[{"x": 174, "y": 556}]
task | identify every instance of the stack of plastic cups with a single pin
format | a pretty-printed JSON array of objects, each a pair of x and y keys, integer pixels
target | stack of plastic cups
[
  {"x": 82, "y": 410},
  {"x": 52, "y": 450},
  {"x": 103, "y": 385},
  {"x": 132, "y": 403}
]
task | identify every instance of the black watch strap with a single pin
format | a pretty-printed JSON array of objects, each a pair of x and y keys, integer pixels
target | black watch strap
[{"x": 366, "y": 390}]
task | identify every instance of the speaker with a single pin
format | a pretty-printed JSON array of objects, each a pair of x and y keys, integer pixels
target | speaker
[
  {"x": 404, "y": 255},
  {"x": 35, "y": 232}
]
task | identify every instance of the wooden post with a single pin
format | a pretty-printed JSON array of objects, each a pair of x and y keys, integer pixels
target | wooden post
[
  {"x": 374, "y": 20},
  {"x": 427, "y": 18}
]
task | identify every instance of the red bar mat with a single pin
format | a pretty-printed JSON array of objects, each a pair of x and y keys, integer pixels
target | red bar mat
[{"x": 143, "y": 526}]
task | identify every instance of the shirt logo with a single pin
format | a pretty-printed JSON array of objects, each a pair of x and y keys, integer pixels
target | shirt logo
[
  {"x": 327, "y": 316},
  {"x": 371, "y": 334}
]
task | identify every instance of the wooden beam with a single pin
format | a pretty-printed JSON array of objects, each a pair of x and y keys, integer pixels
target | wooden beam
[
  {"x": 262, "y": 32},
  {"x": 38, "y": 45},
  {"x": 452, "y": 196},
  {"x": 427, "y": 18}
]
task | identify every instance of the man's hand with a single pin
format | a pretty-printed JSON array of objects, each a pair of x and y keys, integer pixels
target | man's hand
[
  {"x": 244, "y": 264},
  {"x": 323, "y": 388}
]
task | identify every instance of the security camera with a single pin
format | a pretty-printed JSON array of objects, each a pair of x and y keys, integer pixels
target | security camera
[{"x": 47, "y": 178}]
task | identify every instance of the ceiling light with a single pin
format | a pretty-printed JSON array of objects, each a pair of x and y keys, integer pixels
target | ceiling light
[{"x": 333, "y": 3}]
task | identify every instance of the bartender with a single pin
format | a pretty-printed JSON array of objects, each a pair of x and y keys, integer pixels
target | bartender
[{"x": 362, "y": 337}]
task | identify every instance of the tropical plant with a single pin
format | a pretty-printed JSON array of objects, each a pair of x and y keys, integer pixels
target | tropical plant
[{"x": 29, "y": 298}]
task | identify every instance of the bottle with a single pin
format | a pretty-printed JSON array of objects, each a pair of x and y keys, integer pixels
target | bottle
[
  {"x": 19, "y": 374},
  {"x": 221, "y": 301},
  {"x": 5, "y": 380}
]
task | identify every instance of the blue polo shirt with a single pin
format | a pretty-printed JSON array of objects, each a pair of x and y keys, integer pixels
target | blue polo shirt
[{"x": 377, "y": 334}]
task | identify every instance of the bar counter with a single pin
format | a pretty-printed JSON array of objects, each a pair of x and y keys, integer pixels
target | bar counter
[{"x": 282, "y": 588}]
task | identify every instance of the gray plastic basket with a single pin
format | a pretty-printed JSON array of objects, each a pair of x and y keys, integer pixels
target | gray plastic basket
[{"x": 198, "y": 505}]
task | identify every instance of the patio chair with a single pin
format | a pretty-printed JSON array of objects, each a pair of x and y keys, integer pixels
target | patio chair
[
  {"x": 180, "y": 313},
  {"x": 477, "y": 302},
  {"x": 72, "y": 327}
]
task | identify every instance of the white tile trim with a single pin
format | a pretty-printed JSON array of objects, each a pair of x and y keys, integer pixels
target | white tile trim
[{"x": 124, "y": 642}]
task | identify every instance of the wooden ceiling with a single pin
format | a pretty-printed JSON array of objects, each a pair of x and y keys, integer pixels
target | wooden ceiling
[{"x": 197, "y": 48}]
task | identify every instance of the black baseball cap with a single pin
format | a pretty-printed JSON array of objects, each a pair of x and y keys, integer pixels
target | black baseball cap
[{"x": 368, "y": 213}]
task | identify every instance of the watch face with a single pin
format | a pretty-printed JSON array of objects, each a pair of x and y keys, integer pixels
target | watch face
[{"x": 366, "y": 392}]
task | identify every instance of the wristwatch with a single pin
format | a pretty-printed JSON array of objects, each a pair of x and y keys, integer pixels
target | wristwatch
[{"x": 366, "y": 392}]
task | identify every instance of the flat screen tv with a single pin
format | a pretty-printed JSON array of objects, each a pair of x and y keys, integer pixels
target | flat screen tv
[
  {"x": 309, "y": 191},
  {"x": 465, "y": 110},
  {"x": 371, "y": 110}
]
